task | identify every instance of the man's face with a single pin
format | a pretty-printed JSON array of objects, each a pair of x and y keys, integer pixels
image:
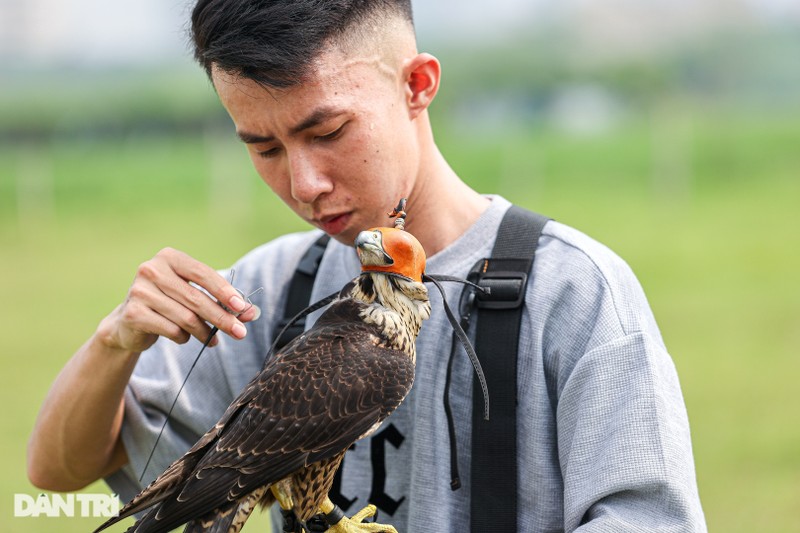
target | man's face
[{"x": 340, "y": 149}]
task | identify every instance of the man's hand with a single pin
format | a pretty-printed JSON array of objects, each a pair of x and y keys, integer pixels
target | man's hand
[
  {"x": 76, "y": 438},
  {"x": 164, "y": 300}
]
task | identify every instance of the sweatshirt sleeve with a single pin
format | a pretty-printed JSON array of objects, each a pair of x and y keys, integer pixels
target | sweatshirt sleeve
[
  {"x": 622, "y": 430},
  {"x": 624, "y": 443}
]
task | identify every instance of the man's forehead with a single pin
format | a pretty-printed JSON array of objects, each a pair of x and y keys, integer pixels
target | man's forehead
[
  {"x": 261, "y": 113},
  {"x": 331, "y": 72}
]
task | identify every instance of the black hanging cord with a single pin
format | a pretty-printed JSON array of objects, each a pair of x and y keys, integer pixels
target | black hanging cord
[
  {"x": 211, "y": 334},
  {"x": 459, "y": 333},
  {"x": 310, "y": 309},
  {"x": 455, "y": 477},
  {"x": 214, "y": 331},
  {"x": 445, "y": 277}
]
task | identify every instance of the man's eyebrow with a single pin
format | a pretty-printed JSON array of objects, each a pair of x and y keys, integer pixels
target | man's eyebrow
[
  {"x": 252, "y": 138},
  {"x": 318, "y": 116}
]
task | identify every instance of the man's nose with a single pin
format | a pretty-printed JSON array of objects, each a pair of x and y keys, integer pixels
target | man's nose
[{"x": 308, "y": 181}]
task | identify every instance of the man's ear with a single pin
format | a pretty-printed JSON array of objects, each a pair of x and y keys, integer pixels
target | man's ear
[{"x": 421, "y": 74}]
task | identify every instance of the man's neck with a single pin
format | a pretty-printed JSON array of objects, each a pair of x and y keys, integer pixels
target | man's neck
[{"x": 444, "y": 207}]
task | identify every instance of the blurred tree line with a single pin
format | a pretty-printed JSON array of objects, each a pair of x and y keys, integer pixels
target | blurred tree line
[{"x": 521, "y": 78}]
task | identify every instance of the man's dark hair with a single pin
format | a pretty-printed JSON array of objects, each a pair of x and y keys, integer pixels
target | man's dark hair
[{"x": 274, "y": 42}]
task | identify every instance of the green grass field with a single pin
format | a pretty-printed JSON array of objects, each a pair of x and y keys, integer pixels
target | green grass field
[{"x": 705, "y": 214}]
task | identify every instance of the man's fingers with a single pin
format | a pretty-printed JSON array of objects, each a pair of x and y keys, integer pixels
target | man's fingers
[
  {"x": 184, "y": 318},
  {"x": 144, "y": 326},
  {"x": 252, "y": 312},
  {"x": 201, "y": 274},
  {"x": 176, "y": 296},
  {"x": 174, "y": 282},
  {"x": 198, "y": 307}
]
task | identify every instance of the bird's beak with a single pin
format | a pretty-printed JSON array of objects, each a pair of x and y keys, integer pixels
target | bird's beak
[{"x": 369, "y": 245}]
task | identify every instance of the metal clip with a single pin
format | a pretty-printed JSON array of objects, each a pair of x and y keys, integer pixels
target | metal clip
[{"x": 245, "y": 297}]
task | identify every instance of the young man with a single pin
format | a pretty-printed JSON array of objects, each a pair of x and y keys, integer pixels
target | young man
[{"x": 331, "y": 101}]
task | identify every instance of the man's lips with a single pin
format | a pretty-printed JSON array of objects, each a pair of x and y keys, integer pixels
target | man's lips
[{"x": 335, "y": 224}]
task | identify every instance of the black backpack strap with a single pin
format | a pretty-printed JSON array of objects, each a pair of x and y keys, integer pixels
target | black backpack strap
[
  {"x": 300, "y": 292},
  {"x": 493, "y": 470}
]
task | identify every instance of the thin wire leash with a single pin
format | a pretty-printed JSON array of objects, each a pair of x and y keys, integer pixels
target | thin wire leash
[
  {"x": 435, "y": 279},
  {"x": 213, "y": 332}
]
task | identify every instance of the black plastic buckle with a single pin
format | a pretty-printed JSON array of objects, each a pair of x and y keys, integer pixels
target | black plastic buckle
[
  {"x": 317, "y": 524},
  {"x": 506, "y": 289},
  {"x": 290, "y": 522}
]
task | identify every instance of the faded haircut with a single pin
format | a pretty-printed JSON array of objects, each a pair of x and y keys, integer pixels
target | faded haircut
[{"x": 274, "y": 42}]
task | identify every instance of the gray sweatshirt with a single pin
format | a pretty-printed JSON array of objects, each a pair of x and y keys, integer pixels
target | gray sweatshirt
[{"x": 603, "y": 436}]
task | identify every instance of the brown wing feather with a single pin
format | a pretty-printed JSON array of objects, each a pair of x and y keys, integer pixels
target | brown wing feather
[
  {"x": 318, "y": 396},
  {"x": 228, "y": 519}
]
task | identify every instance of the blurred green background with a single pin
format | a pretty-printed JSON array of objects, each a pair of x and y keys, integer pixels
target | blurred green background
[{"x": 670, "y": 132}]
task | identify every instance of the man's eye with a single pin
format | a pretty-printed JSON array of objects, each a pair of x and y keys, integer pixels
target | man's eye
[
  {"x": 332, "y": 135},
  {"x": 266, "y": 154}
]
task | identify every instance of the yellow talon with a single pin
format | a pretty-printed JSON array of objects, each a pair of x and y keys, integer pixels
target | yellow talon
[
  {"x": 367, "y": 512},
  {"x": 355, "y": 523},
  {"x": 283, "y": 494}
]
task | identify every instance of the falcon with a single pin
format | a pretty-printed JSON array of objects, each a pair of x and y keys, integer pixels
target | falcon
[{"x": 285, "y": 436}]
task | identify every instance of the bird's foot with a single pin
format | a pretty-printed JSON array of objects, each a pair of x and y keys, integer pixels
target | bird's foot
[{"x": 356, "y": 524}]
